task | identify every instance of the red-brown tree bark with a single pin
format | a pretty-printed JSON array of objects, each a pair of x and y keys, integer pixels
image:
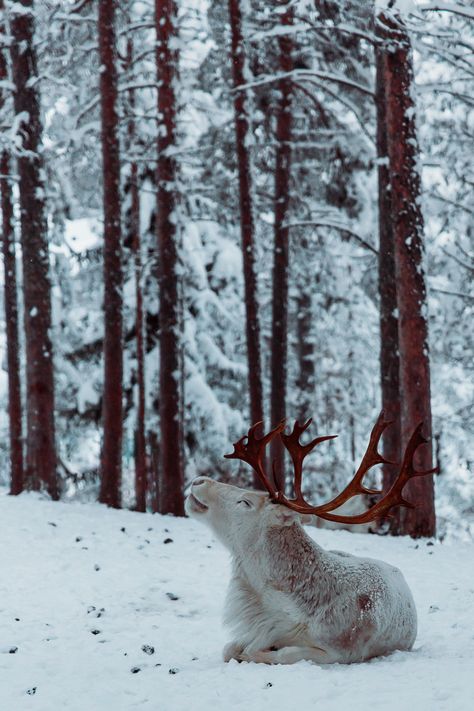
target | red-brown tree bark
[
  {"x": 111, "y": 458},
  {"x": 167, "y": 223},
  {"x": 389, "y": 346},
  {"x": 242, "y": 136},
  {"x": 279, "y": 341},
  {"x": 305, "y": 382},
  {"x": 11, "y": 324},
  {"x": 11, "y": 307},
  {"x": 40, "y": 441},
  {"x": 134, "y": 230},
  {"x": 407, "y": 224}
]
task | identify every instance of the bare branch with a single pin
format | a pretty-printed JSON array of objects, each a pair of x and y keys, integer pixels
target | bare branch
[{"x": 334, "y": 225}]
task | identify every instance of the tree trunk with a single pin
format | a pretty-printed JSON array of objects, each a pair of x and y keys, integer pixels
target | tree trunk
[
  {"x": 41, "y": 446},
  {"x": 305, "y": 382},
  {"x": 111, "y": 461},
  {"x": 11, "y": 311},
  {"x": 389, "y": 347},
  {"x": 171, "y": 415},
  {"x": 279, "y": 343},
  {"x": 407, "y": 221},
  {"x": 11, "y": 322},
  {"x": 134, "y": 227},
  {"x": 154, "y": 471},
  {"x": 242, "y": 136}
]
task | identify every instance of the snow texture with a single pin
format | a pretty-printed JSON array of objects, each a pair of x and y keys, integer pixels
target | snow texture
[{"x": 113, "y": 610}]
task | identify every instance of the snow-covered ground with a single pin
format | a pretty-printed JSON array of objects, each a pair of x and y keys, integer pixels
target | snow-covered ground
[{"x": 112, "y": 610}]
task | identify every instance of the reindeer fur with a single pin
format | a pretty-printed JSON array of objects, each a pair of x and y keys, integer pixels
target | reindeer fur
[{"x": 288, "y": 598}]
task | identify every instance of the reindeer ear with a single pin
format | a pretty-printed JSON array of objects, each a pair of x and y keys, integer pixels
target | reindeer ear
[
  {"x": 285, "y": 516},
  {"x": 306, "y": 519}
]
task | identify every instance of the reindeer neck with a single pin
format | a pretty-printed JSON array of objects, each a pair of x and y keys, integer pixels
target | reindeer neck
[
  {"x": 289, "y": 545},
  {"x": 297, "y": 565}
]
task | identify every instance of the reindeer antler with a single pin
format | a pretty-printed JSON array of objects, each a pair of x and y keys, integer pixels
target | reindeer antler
[
  {"x": 299, "y": 451},
  {"x": 253, "y": 452}
]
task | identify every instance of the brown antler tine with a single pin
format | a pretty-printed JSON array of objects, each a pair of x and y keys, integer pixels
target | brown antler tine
[
  {"x": 251, "y": 449},
  {"x": 394, "y": 497},
  {"x": 408, "y": 466},
  {"x": 299, "y": 451},
  {"x": 371, "y": 457}
]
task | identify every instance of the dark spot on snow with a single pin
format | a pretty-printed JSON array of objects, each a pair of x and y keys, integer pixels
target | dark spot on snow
[
  {"x": 123, "y": 529},
  {"x": 95, "y": 631},
  {"x": 51, "y": 523},
  {"x": 168, "y": 540},
  {"x": 85, "y": 548},
  {"x": 13, "y": 650},
  {"x": 31, "y": 691},
  {"x": 150, "y": 528},
  {"x": 98, "y": 613},
  {"x": 417, "y": 546},
  {"x": 268, "y": 685},
  {"x": 158, "y": 664},
  {"x": 135, "y": 670},
  {"x": 208, "y": 546},
  {"x": 96, "y": 567},
  {"x": 78, "y": 539},
  {"x": 173, "y": 670},
  {"x": 166, "y": 530},
  {"x": 430, "y": 552},
  {"x": 146, "y": 540},
  {"x": 172, "y": 596},
  {"x": 195, "y": 659},
  {"x": 148, "y": 649},
  {"x": 125, "y": 654},
  {"x": 17, "y": 619},
  {"x": 430, "y": 543}
]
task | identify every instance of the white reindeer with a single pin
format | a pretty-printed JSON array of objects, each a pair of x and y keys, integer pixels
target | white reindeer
[{"x": 288, "y": 598}]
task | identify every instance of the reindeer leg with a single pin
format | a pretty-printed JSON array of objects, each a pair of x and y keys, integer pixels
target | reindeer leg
[
  {"x": 289, "y": 655},
  {"x": 232, "y": 650}
]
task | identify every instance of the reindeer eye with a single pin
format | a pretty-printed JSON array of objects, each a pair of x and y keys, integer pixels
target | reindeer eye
[{"x": 244, "y": 501}]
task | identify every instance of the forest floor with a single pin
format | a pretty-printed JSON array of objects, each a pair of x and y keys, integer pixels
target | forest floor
[{"x": 105, "y": 610}]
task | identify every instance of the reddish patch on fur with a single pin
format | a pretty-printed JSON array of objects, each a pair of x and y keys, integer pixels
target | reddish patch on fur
[{"x": 365, "y": 603}]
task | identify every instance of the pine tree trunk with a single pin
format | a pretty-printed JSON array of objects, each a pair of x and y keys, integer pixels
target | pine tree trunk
[
  {"x": 407, "y": 221},
  {"x": 111, "y": 460},
  {"x": 389, "y": 347},
  {"x": 171, "y": 415},
  {"x": 279, "y": 343},
  {"x": 40, "y": 442},
  {"x": 11, "y": 307},
  {"x": 242, "y": 136},
  {"x": 11, "y": 323},
  {"x": 305, "y": 383},
  {"x": 134, "y": 226}
]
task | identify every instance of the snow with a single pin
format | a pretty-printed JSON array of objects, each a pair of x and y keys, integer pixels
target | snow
[
  {"x": 82, "y": 234},
  {"x": 70, "y": 569}
]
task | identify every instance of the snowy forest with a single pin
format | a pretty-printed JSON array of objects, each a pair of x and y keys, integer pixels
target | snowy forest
[
  {"x": 215, "y": 214},
  {"x": 218, "y": 213}
]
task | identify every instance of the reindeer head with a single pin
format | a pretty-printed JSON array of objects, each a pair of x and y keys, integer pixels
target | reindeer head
[{"x": 237, "y": 516}]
